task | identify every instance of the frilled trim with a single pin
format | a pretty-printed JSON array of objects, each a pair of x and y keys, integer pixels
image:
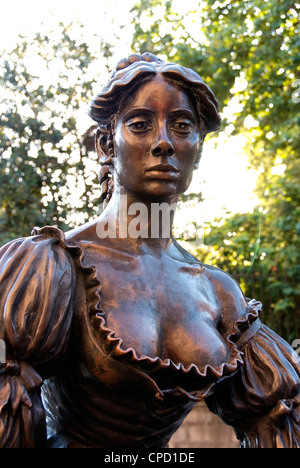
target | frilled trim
[
  {"x": 248, "y": 327},
  {"x": 205, "y": 378}
]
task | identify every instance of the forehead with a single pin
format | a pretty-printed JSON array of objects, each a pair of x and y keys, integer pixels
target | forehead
[{"x": 160, "y": 94}]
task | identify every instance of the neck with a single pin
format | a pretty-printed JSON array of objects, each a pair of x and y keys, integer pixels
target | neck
[{"x": 139, "y": 223}]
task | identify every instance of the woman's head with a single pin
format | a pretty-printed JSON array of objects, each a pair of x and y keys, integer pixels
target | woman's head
[{"x": 130, "y": 75}]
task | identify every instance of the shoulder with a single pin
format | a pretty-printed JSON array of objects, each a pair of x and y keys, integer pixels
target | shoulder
[
  {"x": 87, "y": 231},
  {"x": 226, "y": 286},
  {"x": 232, "y": 302},
  {"x": 37, "y": 290},
  {"x": 238, "y": 313},
  {"x": 227, "y": 290},
  {"x": 42, "y": 253}
]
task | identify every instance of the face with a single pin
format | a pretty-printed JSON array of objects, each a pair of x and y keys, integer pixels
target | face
[{"x": 157, "y": 141}]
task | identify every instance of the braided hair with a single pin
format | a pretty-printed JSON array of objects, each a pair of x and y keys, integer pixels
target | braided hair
[{"x": 129, "y": 75}]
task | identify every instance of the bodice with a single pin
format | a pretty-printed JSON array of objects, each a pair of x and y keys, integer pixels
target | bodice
[
  {"x": 195, "y": 348},
  {"x": 161, "y": 307},
  {"x": 155, "y": 354},
  {"x": 127, "y": 376}
]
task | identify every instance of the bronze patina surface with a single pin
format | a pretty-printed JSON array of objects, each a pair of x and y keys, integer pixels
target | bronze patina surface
[{"x": 110, "y": 340}]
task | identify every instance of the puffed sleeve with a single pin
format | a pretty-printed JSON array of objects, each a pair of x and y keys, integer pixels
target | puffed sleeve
[
  {"x": 262, "y": 400},
  {"x": 37, "y": 281}
]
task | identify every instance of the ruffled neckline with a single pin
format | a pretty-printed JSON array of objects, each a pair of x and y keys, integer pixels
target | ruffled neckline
[{"x": 208, "y": 376}]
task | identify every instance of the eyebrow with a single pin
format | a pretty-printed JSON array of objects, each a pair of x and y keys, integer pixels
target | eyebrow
[
  {"x": 136, "y": 111},
  {"x": 183, "y": 111},
  {"x": 145, "y": 110}
]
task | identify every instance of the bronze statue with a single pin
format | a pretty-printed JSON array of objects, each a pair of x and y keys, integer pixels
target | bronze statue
[{"x": 114, "y": 338}]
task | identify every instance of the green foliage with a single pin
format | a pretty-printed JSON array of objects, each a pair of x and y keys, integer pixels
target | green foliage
[
  {"x": 47, "y": 175},
  {"x": 248, "y": 52}
]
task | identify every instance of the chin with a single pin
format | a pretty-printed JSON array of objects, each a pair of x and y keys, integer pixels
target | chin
[{"x": 162, "y": 191}]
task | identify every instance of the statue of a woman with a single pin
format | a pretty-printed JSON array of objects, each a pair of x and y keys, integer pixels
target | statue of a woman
[{"x": 114, "y": 338}]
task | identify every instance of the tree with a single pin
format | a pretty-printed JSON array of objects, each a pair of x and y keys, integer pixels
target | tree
[{"x": 47, "y": 174}]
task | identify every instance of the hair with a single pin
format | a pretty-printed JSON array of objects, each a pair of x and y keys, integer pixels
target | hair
[{"x": 131, "y": 73}]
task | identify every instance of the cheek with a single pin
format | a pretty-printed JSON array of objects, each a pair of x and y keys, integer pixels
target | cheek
[
  {"x": 191, "y": 156},
  {"x": 190, "y": 153},
  {"x": 126, "y": 162},
  {"x": 121, "y": 154},
  {"x": 131, "y": 153}
]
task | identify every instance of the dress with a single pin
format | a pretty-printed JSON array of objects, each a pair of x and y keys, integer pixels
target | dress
[{"x": 64, "y": 361}]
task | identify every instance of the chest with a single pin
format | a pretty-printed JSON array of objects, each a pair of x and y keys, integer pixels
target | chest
[{"x": 162, "y": 308}]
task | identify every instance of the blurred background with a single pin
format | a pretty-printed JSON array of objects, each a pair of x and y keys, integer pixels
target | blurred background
[{"x": 242, "y": 210}]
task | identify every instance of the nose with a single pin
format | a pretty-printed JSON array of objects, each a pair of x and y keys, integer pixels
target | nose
[{"x": 163, "y": 147}]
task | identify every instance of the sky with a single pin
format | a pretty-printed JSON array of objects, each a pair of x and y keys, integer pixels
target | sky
[
  {"x": 102, "y": 16},
  {"x": 223, "y": 177}
]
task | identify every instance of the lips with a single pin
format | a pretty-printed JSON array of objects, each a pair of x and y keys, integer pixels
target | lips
[
  {"x": 163, "y": 172},
  {"x": 163, "y": 168}
]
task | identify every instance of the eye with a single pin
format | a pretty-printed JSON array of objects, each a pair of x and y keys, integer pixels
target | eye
[
  {"x": 183, "y": 126},
  {"x": 138, "y": 125}
]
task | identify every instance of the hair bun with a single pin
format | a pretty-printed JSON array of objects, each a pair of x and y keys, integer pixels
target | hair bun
[
  {"x": 127, "y": 61},
  {"x": 148, "y": 57}
]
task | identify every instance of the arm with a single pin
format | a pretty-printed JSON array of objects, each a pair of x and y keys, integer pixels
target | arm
[
  {"x": 262, "y": 400},
  {"x": 36, "y": 296}
]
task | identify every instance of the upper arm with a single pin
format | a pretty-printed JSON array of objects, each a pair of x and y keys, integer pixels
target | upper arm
[{"x": 37, "y": 282}]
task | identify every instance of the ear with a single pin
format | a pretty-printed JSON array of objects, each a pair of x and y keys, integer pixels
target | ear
[{"x": 104, "y": 148}]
